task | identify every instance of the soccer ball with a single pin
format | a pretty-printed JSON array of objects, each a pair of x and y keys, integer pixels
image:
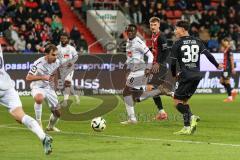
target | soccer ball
[{"x": 98, "y": 124}]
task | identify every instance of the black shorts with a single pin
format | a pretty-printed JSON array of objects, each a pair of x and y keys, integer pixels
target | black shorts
[
  {"x": 156, "y": 79},
  {"x": 185, "y": 89}
]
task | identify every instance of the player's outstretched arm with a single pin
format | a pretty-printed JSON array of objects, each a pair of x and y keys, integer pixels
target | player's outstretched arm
[
  {"x": 31, "y": 77},
  {"x": 212, "y": 59}
]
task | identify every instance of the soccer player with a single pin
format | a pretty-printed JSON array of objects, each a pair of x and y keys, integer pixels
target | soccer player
[
  {"x": 137, "y": 78},
  {"x": 228, "y": 70},
  {"x": 41, "y": 76},
  {"x": 186, "y": 51},
  {"x": 67, "y": 52},
  {"x": 10, "y": 98},
  {"x": 159, "y": 69}
]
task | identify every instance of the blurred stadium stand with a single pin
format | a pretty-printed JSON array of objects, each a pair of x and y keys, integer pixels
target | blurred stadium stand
[{"x": 28, "y": 24}]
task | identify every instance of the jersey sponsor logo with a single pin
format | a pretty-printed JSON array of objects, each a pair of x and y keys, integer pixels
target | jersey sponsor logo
[
  {"x": 129, "y": 53},
  {"x": 66, "y": 56}
]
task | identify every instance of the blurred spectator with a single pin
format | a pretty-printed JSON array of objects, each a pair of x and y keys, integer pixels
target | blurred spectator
[
  {"x": 56, "y": 36},
  {"x": 3, "y": 8},
  {"x": 20, "y": 44},
  {"x": 28, "y": 49},
  {"x": 194, "y": 31},
  {"x": 75, "y": 34},
  {"x": 213, "y": 44},
  {"x": 135, "y": 11},
  {"x": 30, "y": 4},
  {"x": 82, "y": 43},
  {"x": 56, "y": 23}
]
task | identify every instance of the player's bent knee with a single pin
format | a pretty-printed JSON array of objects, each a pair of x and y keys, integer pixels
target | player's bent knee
[
  {"x": 178, "y": 101},
  {"x": 39, "y": 98},
  {"x": 56, "y": 112},
  {"x": 18, "y": 114}
]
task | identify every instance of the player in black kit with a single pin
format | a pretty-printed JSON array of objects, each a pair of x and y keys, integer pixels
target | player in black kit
[{"x": 186, "y": 51}]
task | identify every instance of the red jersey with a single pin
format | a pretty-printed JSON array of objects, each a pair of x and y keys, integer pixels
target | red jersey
[
  {"x": 154, "y": 40},
  {"x": 227, "y": 61}
]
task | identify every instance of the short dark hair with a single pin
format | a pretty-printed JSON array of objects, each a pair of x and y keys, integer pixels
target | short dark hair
[
  {"x": 49, "y": 48},
  {"x": 183, "y": 24},
  {"x": 132, "y": 25},
  {"x": 65, "y": 34},
  {"x": 226, "y": 39}
]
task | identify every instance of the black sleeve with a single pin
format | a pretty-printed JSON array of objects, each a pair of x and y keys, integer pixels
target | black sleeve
[
  {"x": 174, "y": 52},
  {"x": 163, "y": 50},
  {"x": 210, "y": 58}
]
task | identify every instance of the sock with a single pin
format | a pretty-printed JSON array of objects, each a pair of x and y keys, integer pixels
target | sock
[
  {"x": 189, "y": 110},
  {"x": 229, "y": 89},
  {"x": 130, "y": 107},
  {"x": 186, "y": 112},
  {"x": 66, "y": 93},
  {"x": 38, "y": 111},
  {"x": 52, "y": 121},
  {"x": 74, "y": 93},
  {"x": 32, "y": 125},
  {"x": 158, "y": 102}
]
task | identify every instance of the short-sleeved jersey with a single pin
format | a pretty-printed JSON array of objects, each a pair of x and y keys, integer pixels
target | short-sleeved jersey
[
  {"x": 5, "y": 81},
  {"x": 42, "y": 67},
  {"x": 227, "y": 60},
  {"x": 66, "y": 53},
  {"x": 136, "y": 49},
  {"x": 159, "y": 46},
  {"x": 187, "y": 51}
]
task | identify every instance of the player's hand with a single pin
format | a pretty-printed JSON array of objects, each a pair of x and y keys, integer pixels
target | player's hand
[
  {"x": 155, "y": 68},
  {"x": 233, "y": 72},
  {"x": 147, "y": 72},
  {"x": 220, "y": 67},
  {"x": 46, "y": 78}
]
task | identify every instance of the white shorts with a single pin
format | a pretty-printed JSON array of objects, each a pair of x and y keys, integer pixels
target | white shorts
[
  {"x": 10, "y": 99},
  {"x": 137, "y": 80},
  {"x": 69, "y": 76},
  {"x": 49, "y": 95}
]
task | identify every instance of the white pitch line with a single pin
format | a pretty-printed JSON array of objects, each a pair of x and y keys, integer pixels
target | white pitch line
[{"x": 138, "y": 138}]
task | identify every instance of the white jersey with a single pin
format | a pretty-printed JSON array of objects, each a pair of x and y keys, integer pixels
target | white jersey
[
  {"x": 40, "y": 68},
  {"x": 67, "y": 53},
  {"x": 5, "y": 81},
  {"x": 136, "y": 49}
]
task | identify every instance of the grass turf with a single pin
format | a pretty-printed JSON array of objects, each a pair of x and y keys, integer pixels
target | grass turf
[{"x": 216, "y": 134}]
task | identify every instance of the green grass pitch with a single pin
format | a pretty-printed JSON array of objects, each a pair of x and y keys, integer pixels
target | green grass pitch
[{"x": 217, "y": 135}]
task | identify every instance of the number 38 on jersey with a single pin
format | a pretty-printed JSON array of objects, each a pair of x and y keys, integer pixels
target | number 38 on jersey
[{"x": 191, "y": 53}]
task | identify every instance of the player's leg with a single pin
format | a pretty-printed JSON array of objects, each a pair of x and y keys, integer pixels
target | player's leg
[
  {"x": 158, "y": 79},
  {"x": 67, "y": 90},
  {"x": 129, "y": 104},
  {"x": 12, "y": 101},
  {"x": 55, "y": 109},
  {"x": 38, "y": 95},
  {"x": 183, "y": 92},
  {"x": 162, "y": 115},
  {"x": 225, "y": 81},
  {"x": 72, "y": 90}
]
